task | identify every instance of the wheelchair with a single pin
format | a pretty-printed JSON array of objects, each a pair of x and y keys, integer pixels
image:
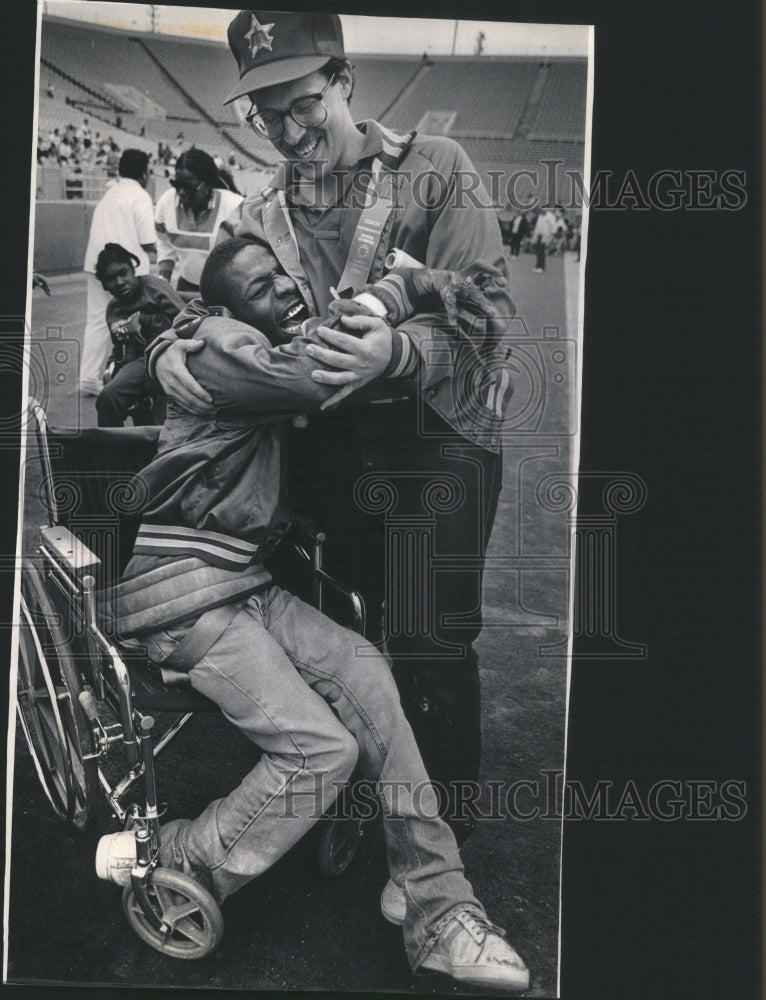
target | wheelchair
[{"x": 84, "y": 697}]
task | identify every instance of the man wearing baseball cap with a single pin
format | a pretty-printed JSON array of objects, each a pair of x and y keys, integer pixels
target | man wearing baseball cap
[{"x": 426, "y": 438}]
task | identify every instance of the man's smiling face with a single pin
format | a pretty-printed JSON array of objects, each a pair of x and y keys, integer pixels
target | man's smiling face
[
  {"x": 264, "y": 296},
  {"x": 315, "y": 150}
]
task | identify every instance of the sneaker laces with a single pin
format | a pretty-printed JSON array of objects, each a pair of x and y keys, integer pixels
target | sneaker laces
[
  {"x": 466, "y": 912},
  {"x": 478, "y": 923}
]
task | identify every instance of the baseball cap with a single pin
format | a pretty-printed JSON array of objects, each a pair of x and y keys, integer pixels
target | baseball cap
[{"x": 273, "y": 47}]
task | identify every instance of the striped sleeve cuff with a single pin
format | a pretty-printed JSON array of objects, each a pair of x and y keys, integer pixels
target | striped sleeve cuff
[
  {"x": 397, "y": 293},
  {"x": 211, "y": 546},
  {"x": 404, "y": 357},
  {"x": 153, "y": 351}
]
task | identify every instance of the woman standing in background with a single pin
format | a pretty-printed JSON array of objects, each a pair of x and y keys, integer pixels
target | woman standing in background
[{"x": 188, "y": 216}]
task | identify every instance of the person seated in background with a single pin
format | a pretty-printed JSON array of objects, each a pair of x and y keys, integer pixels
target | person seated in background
[
  {"x": 314, "y": 696},
  {"x": 188, "y": 216},
  {"x": 141, "y": 307}
]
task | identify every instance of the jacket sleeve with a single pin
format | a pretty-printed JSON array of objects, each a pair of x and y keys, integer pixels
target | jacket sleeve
[
  {"x": 181, "y": 329},
  {"x": 243, "y": 372},
  {"x": 460, "y": 232},
  {"x": 166, "y": 305}
]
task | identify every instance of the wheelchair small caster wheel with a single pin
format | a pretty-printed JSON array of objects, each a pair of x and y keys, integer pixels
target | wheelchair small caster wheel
[
  {"x": 338, "y": 845},
  {"x": 193, "y": 925}
]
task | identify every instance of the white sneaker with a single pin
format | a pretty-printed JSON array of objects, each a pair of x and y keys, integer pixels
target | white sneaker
[
  {"x": 393, "y": 905},
  {"x": 116, "y": 857},
  {"x": 473, "y": 950}
]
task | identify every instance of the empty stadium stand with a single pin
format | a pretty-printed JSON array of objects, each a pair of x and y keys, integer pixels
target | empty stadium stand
[
  {"x": 379, "y": 83},
  {"x": 96, "y": 55},
  {"x": 69, "y": 90},
  {"x": 561, "y": 111},
  {"x": 488, "y": 95},
  {"x": 509, "y": 113},
  {"x": 209, "y": 88}
]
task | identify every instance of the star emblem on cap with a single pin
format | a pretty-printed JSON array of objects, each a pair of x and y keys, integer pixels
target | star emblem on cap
[{"x": 258, "y": 36}]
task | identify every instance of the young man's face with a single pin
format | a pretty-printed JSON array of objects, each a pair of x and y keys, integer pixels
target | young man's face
[
  {"x": 264, "y": 296},
  {"x": 318, "y": 150}
]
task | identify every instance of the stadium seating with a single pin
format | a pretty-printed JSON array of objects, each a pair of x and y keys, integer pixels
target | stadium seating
[
  {"x": 561, "y": 111},
  {"x": 208, "y": 89},
  {"x": 378, "y": 82},
  {"x": 488, "y": 95},
  {"x": 53, "y": 113},
  {"x": 509, "y": 113},
  {"x": 97, "y": 56},
  {"x": 520, "y": 151},
  {"x": 67, "y": 91}
]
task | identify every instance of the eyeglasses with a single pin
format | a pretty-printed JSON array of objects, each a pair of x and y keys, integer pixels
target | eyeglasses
[
  {"x": 183, "y": 188},
  {"x": 308, "y": 112}
]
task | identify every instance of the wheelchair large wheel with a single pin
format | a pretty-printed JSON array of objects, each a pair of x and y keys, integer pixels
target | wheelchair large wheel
[
  {"x": 338, "y": 845},
  {"x": 54, "y": 724},
  {"x": 191, "y": 915}
]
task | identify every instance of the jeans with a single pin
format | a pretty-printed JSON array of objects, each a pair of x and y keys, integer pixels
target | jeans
[
  {"x": 315, "y": 697},
  {"x": 127, "y": 387}
]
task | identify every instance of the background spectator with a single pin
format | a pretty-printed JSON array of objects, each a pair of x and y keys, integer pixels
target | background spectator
[{"x": 124, "y": 215}]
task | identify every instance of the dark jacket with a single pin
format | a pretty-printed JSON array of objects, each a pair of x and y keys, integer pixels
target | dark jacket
[{"x": 156, "y": 304}]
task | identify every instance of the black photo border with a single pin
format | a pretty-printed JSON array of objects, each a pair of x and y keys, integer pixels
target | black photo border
[{"x": 671, "y": 392}]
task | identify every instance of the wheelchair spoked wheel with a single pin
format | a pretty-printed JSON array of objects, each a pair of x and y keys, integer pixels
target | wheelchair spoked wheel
[
  {"x": 338, "y": 845},
  {"x": 194, "y": 925},
  {"x": 54, "y": 725}
]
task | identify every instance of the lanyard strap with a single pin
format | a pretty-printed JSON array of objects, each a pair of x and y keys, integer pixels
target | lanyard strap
[{"x": 378, "y": 206}]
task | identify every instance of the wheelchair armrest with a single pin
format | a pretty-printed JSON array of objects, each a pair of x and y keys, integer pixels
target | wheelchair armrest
[
  {"x": 70, "y": 553},
  {"x": 354, "y": 598}
]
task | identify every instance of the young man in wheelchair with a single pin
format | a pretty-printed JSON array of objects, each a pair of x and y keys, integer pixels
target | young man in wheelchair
[{"x": 315, "y": 697}]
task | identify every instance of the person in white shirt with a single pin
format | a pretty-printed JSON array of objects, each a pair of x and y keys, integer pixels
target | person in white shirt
[
  {"x": 188, "y": 216},
  {"x": 125, "y": 216},
  {"x": 542, "y": 235}
]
